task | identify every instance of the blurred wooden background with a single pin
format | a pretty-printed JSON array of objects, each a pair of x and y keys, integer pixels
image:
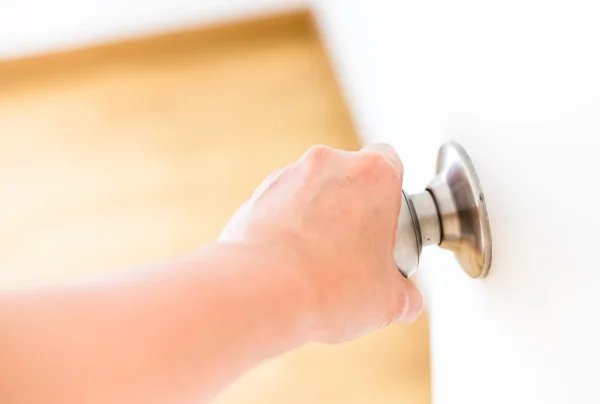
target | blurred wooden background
[{"x": 130, "y": 152}]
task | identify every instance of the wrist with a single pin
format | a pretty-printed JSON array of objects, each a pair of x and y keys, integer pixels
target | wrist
[{"x": 278, "y": 292}]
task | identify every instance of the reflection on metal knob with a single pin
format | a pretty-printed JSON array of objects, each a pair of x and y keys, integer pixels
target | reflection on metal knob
[{"x": 450, "y": 213}]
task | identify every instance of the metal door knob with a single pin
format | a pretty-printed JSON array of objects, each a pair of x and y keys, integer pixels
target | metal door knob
[{"x": 450, "y": 213}]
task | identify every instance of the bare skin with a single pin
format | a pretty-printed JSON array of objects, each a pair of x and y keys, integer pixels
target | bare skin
[{"x": 307, "y": 259}]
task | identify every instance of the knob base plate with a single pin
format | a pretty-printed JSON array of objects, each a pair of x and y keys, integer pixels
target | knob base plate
[{"x": 462, "y": 210}]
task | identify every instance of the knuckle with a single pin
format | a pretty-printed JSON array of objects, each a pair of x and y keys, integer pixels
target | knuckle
[
  {"x": 373, "y": 164},
  {"x": 319, "y": 152},
  {"x": 317, "y": 156}
]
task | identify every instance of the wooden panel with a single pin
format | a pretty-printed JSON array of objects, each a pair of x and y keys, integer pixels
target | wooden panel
[{"x": 132, "y": 152}]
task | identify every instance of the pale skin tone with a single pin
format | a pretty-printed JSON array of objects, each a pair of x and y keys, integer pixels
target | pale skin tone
[{"x": 307, "y": 259}]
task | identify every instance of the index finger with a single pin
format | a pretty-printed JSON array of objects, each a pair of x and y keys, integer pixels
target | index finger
[{"x": 388, "y": 151}]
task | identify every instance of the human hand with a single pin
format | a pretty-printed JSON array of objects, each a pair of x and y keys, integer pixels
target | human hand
[{"x": 330, "y": 219}]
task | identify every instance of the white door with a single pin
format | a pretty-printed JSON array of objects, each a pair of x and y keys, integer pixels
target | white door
[{"x": 517, "y": 82}]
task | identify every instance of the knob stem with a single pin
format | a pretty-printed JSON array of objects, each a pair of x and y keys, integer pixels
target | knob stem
[{"x": 428, "y": 218}]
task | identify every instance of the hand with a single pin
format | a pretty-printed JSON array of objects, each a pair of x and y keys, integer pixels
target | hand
[{"x": 331, "y": 218}]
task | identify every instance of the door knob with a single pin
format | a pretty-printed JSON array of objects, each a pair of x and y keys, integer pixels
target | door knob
[{"x": 450, "y": 213}]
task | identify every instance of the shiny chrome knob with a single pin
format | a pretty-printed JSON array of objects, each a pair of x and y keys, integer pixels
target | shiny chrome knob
[{"x": 451, "y": 213}]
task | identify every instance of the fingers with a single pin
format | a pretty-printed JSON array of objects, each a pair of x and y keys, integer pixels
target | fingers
[
  {"x": 388, "y": 151},
  {"x": 410, "y": 301}
]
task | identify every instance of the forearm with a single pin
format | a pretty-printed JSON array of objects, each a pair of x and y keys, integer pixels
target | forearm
[{"x": 176, "y": 333}]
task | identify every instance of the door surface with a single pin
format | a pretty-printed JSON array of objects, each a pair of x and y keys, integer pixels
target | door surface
[{"x": 518, "y": 84}]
